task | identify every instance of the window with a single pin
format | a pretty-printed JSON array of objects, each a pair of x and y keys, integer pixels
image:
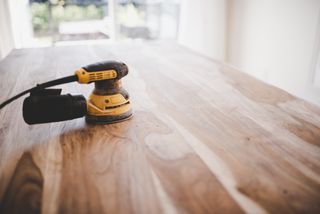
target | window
[{"x": 61, "y": 21}]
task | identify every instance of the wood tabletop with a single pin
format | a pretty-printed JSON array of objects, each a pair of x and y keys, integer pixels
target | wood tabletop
[{"x": 205, "y": 138}]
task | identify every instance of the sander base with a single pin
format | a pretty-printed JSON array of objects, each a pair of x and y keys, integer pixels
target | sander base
[{"x": 92, "y": 119}]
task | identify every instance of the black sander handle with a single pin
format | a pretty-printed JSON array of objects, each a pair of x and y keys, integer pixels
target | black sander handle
[{"x": 120, "y": 67}]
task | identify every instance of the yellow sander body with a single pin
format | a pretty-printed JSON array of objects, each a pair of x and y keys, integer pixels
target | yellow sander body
[{"x": 109, "y": 101}]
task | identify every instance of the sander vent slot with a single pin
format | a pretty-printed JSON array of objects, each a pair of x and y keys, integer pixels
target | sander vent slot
[
  {"x": 92, "y": 77},
  {"x": 112, "y": 107}
]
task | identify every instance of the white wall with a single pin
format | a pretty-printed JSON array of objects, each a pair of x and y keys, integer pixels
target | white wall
[
  {"x": 6, "y": 38},
  {"x": 15, "y": 25},
  {"x": 202, "y": 26},
  {"x": 277, "y": 41},
  {"x": 21, "y": 22}
]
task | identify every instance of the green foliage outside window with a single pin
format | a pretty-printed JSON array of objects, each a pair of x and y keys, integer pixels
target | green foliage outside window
[{"x": 60, "y": 13}]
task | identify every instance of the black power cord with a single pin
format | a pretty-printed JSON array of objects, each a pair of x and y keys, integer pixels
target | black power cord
[{"x": 59, "y": 81}]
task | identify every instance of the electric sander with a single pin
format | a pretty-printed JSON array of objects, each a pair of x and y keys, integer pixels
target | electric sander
[{"x": 108, "y": 103}]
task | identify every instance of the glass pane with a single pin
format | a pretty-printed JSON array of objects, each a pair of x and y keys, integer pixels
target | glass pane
[
  {"x": 66, "y": 21},
  {"x": 147, "y": 19}
]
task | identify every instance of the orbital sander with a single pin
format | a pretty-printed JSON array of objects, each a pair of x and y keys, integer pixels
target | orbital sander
[{"x": 108, "y": 103}]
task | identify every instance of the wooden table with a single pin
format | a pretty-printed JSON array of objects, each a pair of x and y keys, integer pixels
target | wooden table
[{"x": 205, "y": 138}]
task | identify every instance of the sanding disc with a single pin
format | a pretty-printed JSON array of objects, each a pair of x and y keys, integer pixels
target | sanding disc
[{"x": 92, "y": 119}]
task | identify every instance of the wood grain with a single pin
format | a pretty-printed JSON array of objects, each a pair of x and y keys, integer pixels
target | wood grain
[
  {"x": 205, "y": 138},
  {"x": 24, "y": 192}
]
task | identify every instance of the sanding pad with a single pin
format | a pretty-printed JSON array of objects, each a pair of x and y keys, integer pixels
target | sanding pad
[{"x": 108, "y": 119}]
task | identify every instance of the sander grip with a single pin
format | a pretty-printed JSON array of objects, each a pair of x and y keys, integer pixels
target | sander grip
[{"x": 120, "y": 67}]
